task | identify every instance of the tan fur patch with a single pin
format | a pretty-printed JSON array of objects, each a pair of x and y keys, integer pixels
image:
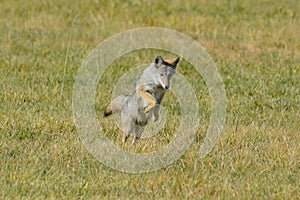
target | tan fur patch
[{"x": 170, "y": 61}]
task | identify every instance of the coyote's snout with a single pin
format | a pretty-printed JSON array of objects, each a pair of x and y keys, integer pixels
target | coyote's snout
[{"x": 137, "y": 108}]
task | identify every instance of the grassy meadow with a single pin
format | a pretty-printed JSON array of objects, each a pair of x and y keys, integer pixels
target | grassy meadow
[{"x": 256, "y": 47}]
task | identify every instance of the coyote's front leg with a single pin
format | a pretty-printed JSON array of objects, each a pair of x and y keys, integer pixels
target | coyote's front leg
[{"x": 148, "y": 97}]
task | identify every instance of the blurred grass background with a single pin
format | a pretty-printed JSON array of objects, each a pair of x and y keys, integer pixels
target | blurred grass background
[{"x": 256, "y": 46}]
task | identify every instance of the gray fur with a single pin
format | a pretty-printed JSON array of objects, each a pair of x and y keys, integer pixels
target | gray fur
[{"x": 154, "y": 80}]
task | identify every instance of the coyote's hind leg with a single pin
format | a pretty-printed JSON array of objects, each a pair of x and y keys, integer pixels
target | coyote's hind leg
[
  {"x": 124, "y": 137},
  {"x": 133, "y": 140}
]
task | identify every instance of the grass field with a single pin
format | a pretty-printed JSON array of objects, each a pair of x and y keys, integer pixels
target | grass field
[{"x": 256, "y": 47}]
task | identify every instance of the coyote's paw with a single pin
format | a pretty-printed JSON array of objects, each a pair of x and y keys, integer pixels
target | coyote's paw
[{"x": 148, "y": 108}]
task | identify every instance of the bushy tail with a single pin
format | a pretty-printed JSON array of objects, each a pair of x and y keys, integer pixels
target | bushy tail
[{"x": 116, "y": 105}]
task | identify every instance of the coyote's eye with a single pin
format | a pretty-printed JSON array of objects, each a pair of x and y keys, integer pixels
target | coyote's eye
[{"x": 161, "y": 74}]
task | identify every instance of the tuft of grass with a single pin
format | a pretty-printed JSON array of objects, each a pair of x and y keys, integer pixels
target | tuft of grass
[{"x": 256, "y": 47}]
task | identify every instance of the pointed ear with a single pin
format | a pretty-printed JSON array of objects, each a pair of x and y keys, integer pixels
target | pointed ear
[
  {"x": 158, "y": 61},
  {"x": 174, "y": 64}
]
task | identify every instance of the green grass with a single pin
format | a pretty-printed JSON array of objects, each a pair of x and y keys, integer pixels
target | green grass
[{"x": 256, "y": 46}]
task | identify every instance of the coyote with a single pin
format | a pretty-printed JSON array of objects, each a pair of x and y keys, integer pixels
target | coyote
[{"x": 137, "y": 108}]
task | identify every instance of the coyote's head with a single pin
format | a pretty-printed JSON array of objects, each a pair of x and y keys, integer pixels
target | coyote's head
[{"x": 165, "y": 70}]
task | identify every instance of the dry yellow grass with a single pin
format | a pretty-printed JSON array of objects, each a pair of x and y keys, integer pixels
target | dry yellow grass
[{"x": 255, "y": 45}]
